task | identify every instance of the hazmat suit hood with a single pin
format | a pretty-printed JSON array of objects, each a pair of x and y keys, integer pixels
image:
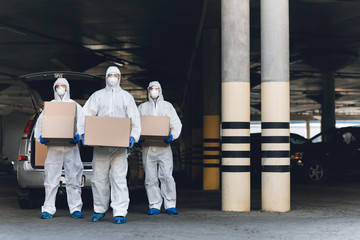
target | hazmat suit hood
[
  {"x": 155, "y": 84},
  {"x": 66, "y": 96},
  {"x": 112, "y": 69}
]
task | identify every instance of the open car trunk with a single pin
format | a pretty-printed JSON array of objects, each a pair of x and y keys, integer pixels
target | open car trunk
[{"x": 40, "y": 87}]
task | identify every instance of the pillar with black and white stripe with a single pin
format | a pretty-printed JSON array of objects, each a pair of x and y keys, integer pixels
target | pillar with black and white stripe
[
  {"x": 235, "y": 106},
  {"x": 275, "y": 106},
  {"x": 196, "y": 155},
  {"x": 211, "y": 107}
]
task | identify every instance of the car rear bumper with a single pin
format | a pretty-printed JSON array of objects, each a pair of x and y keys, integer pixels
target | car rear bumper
[{"x": 29, "y": 177}]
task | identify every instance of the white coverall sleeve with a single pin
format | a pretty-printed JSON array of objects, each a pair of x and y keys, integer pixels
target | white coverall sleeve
[
  {"x": 133, "y": 113},
  {"x": 78, "y": 113},
  {"x": 90, "y": 109},
  {"x": 140, "y": 108},
  {"x": 175, "y": 123},
  {"x": 38, "y": 127}
]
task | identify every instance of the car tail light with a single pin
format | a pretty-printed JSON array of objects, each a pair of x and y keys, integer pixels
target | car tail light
[
  {"x": 26, "y": 134},
  {"x": 23, "y": 158},
  {"x": 297, "y": 157}
]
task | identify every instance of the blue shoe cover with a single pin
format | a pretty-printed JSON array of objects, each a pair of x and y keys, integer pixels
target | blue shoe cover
[
  {"x": 45, "y": 215},
  {"x": 172, "y": 211},
  {"x": 119, "y": 220},
  {"x": 97, "y": 217},
  {"x": 153, "y": 211},
  {"x": 77, "y": 214}
]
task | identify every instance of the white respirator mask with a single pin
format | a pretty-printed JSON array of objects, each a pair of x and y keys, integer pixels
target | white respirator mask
[
  {"x": 60, "y": 91},
  {"x": 112, "y": 80},
  {"x": 154, "y": 93}
]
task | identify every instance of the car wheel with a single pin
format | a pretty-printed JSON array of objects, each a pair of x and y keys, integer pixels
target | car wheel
[
  {"x": 316, "y": 173},
  {"x": 10, "y": 170},
  {"x": 27, "y": 198},
  {"x": 25, "y": 203}
]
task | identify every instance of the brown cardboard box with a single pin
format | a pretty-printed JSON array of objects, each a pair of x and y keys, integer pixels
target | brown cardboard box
[
  {"x": 40, "y": 154},
  {"x": 107, "y": 131},
  {"x": 60, "y": 108},
  {"x": 155, "y": 129},
  {"x": 58, "y": 124}
]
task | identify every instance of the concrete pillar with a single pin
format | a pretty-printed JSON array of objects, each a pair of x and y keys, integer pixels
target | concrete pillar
[
  {"x": 1, "y": 134},
  {"x": 275, "y": 106},
  {"x": 197, "y": 155},
  {"x": 186, "y": 155},
  {"x": 196, "y": 123},
  {"x": 211, "y": 107},
  {"x": 235, "y": 106},
  {"x": 307, "y": 128},
  {"x": 185, "y": 145},
  {"x": 328, "y": 102},
  {"x": 211, "y": 153}
]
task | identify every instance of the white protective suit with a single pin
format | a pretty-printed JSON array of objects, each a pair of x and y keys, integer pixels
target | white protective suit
[
  {"x": 110, "y": 163},
  {"x": 57, "y": 157},
  {"x": 158, "y": 161}
]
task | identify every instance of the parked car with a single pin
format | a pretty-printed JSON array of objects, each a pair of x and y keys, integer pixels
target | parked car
[
  {"x": 29, "y": 176},
  {"x": 6, "y": 165},
  {"x": 334, "y": 153},
  {"x": 297, "y": 143}
]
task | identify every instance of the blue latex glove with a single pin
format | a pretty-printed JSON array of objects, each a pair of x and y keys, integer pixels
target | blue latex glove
[
  {"x": 132, "y": 141},
  {"x": 168, "y": 141},
  {"x": 42, "y": 141},
  {"x": 83, "y": 139},
  {"x": 76, "y": 139},
  {"x": 141, "y": 140}
]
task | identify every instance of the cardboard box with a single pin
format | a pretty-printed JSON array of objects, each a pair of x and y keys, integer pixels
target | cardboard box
[
  {"x": 107, "y": 131},
  {"x": 155, "y": 129},
  {"x": 58, "y": 124},
  {"x": 40, "y": 154}
]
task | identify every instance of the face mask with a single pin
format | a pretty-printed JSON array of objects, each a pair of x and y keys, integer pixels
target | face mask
[
  {"x": 60, "y": 91},
  {"x": 154, "y": 93},
  {"x": 112, "y": 80}
]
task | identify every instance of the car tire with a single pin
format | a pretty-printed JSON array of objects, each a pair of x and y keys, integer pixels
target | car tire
[
  {"x": 10, "y": 170},
  {"x": 315, "y": 173},
  {"x": 27, "y": 198}
]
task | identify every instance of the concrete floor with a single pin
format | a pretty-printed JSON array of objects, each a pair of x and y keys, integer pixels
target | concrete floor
[{"x": 328, "y": 211}]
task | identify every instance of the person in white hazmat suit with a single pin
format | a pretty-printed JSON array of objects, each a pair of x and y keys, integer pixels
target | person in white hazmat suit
[
  {"x": 158, "y": 161},
  {"x": 59, "y": 156},
  {"x": 110, "y": 164}
]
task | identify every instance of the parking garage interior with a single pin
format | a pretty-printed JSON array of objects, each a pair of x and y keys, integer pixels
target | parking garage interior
[{"x": 179, "y": 44}]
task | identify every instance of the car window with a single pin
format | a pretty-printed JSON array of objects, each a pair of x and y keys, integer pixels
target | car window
[
  {"x": 326, "y": 137},
  {"x": 317, "y": 139},
  {"x": 294, "y": 139},
  {"x": 81, "y": 85},
  {"x": 348, "y": 137}
]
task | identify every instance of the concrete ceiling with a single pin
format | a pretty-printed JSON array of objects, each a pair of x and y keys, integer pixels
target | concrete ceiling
[{"x": 159, "y": 40}]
